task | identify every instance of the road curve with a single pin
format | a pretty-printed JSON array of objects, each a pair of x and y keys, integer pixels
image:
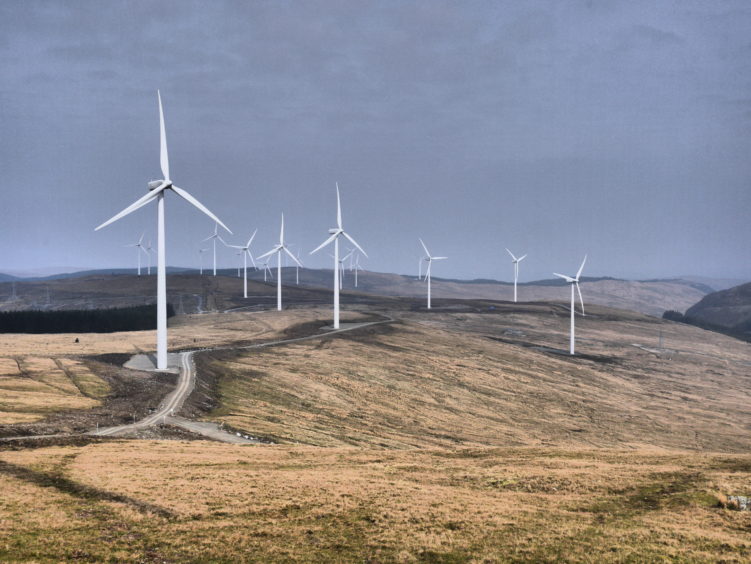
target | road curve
[{"x": 186, "y": 382}]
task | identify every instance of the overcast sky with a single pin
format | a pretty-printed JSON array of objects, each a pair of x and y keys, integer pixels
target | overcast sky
[{"x": 618, "y": 129}]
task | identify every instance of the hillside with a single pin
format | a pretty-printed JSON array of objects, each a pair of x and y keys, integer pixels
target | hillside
[
  {"x": 467, "y": 375},
  {"x": 207, "y": 293},
  {"x": 728, "y": 309}
]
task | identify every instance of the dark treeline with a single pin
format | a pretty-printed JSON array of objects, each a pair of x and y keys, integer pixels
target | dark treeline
[{"x": 137, "y": 318}]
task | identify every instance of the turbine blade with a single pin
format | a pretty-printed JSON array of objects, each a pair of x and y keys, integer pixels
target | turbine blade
[
  {"x": 209, "y": 238},
  {"x": 521, "y": 258},
  {"x": 140, "y": 202},
  {"x": 427, "y": 272},
  {"x": 338, "y": 208},
  {"x": 163, "y": 156},
  {"x": 351, "y": 240},
  {"x": 253, "y": 262},
  {"x": 566, "y": 278},
  {"x": 200, "y": 206},
  {"x": 281, "y": 233},
  {"x": 427, "y": 252},
  {"x": 293, "y": 257},
  {"x": 438, "y": 258},
  {"x": 512, "y": 255},
  {"x": 271, "y": 252},
  {"x": 581, "y": 300},
  {"x": 251, "y": 238},
  {"x": 578, "y": 273},
  {"x": 326, "y": 242}
]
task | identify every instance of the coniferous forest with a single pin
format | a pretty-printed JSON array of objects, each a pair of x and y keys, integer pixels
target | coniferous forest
[{"x": 136, "y": 318}]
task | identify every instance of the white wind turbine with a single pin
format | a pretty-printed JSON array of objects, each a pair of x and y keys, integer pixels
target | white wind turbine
[
  {"x": 139, "y": 249},
  {"x": 574, "y": 282},
  {"x": 245, "y": 252},
  {"x": 213, "y": 237},
  {"x": 200, "y": 258},
  {"x": 342, "y": 267},
  {"x": 357, "y": 268},
  {"x": 278, "y": 248},
  {"x": 266, "y": 269},
  {"x": 156, "y": 192},
  {"x": 335, "y": 233},
  {"x": 516, "y": 262},
  {"x": 149, "y": 251},
  {"x": 430, "y": 260}
]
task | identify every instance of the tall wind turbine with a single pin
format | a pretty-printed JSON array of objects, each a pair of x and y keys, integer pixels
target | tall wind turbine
[
  {"x": 574, "y": 282},
  {"x": 336, "y": 232},
  {"x": 139, "y": 249},
  {"x": 516, "y": 262},
  {"x": 278, "y": 248},
  {"x": 245, "y": 251},
  {"x": 430, "y": 260},
  {"x": 157, "y": 189},
  {"x": 213, "y": 237}
]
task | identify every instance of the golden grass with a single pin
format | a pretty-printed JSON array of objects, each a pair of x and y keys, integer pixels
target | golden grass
[
  {"x": 41, "y": 386},
  {"x": 267, "y": 504},
  {"x": 445, "y": 380}
]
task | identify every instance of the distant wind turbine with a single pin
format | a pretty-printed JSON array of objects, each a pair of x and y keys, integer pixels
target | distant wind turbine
[
  {"x": 266, "y": 269},
  {"x": 336, "y": 232},
  {"x": 357, "y": 268},
  {"x": 574, "y": 282},
  {"x": 245, "y": 251},
  {"x": 278, "y": 248},
  {"x": 516, "y": 262},
  {"x": 149, "y": 251},
  {"x": 213, "y": 237},
  {"x": 342, "y": 268},
  {"x": 156, "y": 192},
  {"x": 200, "y": 258},
  {"x": 139, "y": 249},
  {"x": 430, "y": 260}
]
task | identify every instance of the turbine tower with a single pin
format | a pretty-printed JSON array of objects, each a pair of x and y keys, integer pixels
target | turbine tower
[
  {"x": 213, "y": 237},
  {"x": 574, "y": 282},
  {"x": 245, "y": 251},
  {"x": 156, "y": 192},
  {"x": 430, "y": 260},
  {"x": 336, "y": 232},
  {"x": 516, "y": 262},
  {"x": 278, "y": 248},
  {"x": 139, "y": 249}
]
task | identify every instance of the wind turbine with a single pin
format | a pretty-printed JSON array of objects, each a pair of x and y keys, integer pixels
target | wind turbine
[
  {"x": 157, "y": 189},
  {"x": 342, "y": 268},
  {"x": 357, "y": 268},
  {"x": 139, "y": 250},
  {"x": 335, "y": 233},
  {"x": 213, "y": 237},
  {"x": 266, "y": 269},
  {"x": 245, "y": 251},
  {"x": 278, "y": 248},
  {"x": 430, "y": 260},
  {"x": 574, "y": 282},
  {"x": 200, "y": 258},
  {"x": 516, "y": 262},
  {"x": 149, "y": 250}
]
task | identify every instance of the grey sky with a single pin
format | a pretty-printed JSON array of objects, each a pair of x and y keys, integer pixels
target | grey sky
[{"x": 621, "y": 129}]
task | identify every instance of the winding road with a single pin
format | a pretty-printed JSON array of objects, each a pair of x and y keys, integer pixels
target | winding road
[{"x": 186, "y": 382}]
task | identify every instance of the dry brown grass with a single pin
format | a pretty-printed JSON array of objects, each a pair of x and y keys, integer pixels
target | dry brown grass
[
  {"x": 233, "y": 504},
  {"x": 40, "y": 386},
  {"x": 445, "y": 379}
]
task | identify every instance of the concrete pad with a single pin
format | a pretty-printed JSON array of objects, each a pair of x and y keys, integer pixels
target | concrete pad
[{"x": 147, "y": 363}]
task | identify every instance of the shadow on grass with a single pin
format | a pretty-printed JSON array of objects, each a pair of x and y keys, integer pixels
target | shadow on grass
[{"x": 76, "y": 489}]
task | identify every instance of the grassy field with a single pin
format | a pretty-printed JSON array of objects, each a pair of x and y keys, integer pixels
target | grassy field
[
  {"x": 475, "y": 379},
  {"x": 128, "y": 502},
  {"x": 32, "y": 387}
]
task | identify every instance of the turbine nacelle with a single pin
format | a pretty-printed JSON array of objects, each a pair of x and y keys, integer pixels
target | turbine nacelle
[
  {"x": 154, "y": 184},
  {"x": 334, "y": 230}
]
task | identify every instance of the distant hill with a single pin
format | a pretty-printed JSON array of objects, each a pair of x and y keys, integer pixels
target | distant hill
[
  {"x": 120, "y": 287},
  {"x": 727, "y": 310}
]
